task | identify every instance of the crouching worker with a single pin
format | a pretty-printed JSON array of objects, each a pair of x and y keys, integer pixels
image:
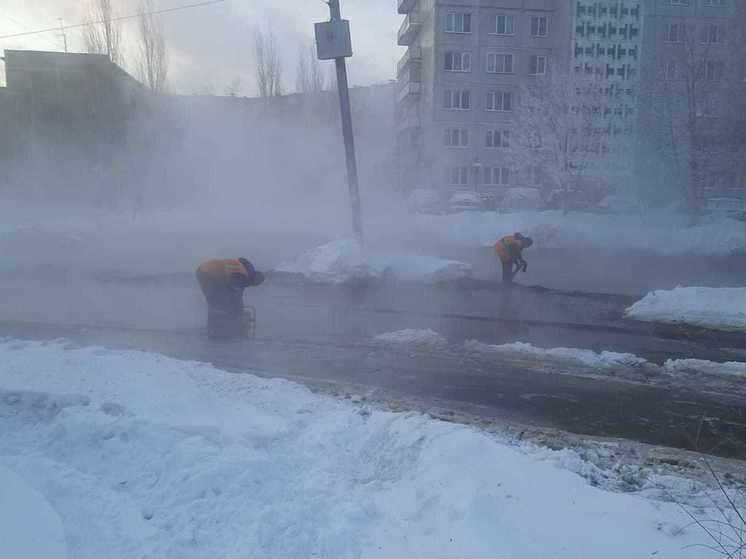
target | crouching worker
[
  {"x": 223, "y": 282},
  {"x": 510, "y": 251}
]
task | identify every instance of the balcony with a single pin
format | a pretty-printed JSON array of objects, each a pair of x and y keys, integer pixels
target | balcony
[
  {"x": 406, "y": 6},
  {"x": 413, "y": 55},
  {"x": 409, "y": 92},
  {"x": 409, "y": 30}
]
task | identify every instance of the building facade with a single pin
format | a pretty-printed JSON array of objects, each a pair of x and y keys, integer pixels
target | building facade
[
  {"x": 460, "y": 78},
  {"x": 468, "y": 62},
  {"x": 692, "y": 110}
]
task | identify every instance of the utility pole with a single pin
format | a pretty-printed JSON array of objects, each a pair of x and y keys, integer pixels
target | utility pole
[
  {"x": 333, "y": 41},
  {"x": 63, "y": 33}
]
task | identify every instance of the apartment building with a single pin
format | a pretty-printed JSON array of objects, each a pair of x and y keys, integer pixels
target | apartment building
[
  {"x": 467, "y": 62},
  {"x": 694, "y": 82},
  {"x": 605, "y": 68},
  {"x": 459, "y": 80}
]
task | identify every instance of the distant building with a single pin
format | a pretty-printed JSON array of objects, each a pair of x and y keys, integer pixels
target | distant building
[
  {"x": 468, "y": 60},
  {"x": 694, "y": 83},
  {"x": 459, "y": 81},
  {"x": 68, "y": 114}
]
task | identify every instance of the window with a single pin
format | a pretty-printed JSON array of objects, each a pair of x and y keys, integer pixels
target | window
[
  {"x": 456, "y": 137},
  {"x": 496, "y": 176},
  {"x": 669, "y": 70},
  {"x": 503, "y": 25},
  {"x": 458, "y": 61},
  {"x": 499, "y": 101},
  {"x": 457, "y": 176},
  {"x": 498, "y": 139},
  {"x": 458, "y": 22},
  {"x": 714, "y": 70},
  {"x": 675, "y": 32},
  {"x": 539, "y": 26},
  {"x": 534, "y": 175},
  {"x": 499, "y": 63},
  {"x": 537, "y": 65},
  {"x": 457, "y": 100},
  {"x": 711, "y": 34},
  {"x": 679, "y": 2},
  {"x": 715, "y": 3}
]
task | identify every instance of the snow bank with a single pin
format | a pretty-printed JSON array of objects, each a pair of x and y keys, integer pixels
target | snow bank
[
  {"x": 411, "y": 337},
  {"x": 344, "y": 261},
  {"x": 731, "y": 370},
  {"x": 719, "y": 308},
  {"x": 29, "y": 527},
  {"x": 145, "y": 456},
  {"x": 585, "y": 357}
]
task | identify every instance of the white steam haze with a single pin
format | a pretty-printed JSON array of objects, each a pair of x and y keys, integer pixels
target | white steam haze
[{"x": 211, "y": 46}]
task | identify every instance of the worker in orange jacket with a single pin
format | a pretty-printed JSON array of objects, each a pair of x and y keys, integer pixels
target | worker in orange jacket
[
  {"x": 223, "y": 283},
  {"x": 510, "y": 251}
]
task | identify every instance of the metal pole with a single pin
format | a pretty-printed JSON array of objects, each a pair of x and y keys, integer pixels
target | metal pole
[{"x": 349, "y": 139}]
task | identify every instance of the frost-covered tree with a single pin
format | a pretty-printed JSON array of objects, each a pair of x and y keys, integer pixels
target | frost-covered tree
[
  {"x": 553, "y": 130},
  {"x": 693, "y": 128}
]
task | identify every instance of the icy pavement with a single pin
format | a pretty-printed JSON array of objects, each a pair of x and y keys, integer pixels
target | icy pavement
[
  {"x": 717, "y": 308},
  {"x": 145, "y": 456}
]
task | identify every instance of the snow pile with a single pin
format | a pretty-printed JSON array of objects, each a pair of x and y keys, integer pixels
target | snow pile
[
  {"x": 29, "y": 526},
  {"x": 345, "y": 261},
  {"x": 584, "y": 357},
  {"x": 732, "y": 370},
  {"x": 336, "y": 262},
  {"x": 144, "y": 456},
  {"x": 719, "y": 308},
  {"x": 412, "y": 337}
]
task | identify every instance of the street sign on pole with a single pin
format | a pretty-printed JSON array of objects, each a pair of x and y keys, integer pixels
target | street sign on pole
[{"x": 333, "y": 41}]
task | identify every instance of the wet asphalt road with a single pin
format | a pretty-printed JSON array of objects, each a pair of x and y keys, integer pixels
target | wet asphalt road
[{"x": 321, "y": 336}]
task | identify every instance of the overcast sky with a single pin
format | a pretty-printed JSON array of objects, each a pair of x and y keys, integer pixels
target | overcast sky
[{"x": 211, "y": 46}]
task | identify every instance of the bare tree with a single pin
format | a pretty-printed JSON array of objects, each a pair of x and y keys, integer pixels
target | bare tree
[
  {"x": 268, "y": 64},
  {"x": 310, "y": 76},
  {"x": 102, "y": 34},
  {"x": 234, "y": 88},
  {"x": 554, "y": 129},
  {"x": 694, "y": 108},
  {"x": 153, "y": 54}
]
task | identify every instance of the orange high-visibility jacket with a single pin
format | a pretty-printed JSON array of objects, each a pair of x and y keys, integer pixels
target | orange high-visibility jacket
[
  {"x": 508, "y": 249},
  {"x": 223, "y": 271}
]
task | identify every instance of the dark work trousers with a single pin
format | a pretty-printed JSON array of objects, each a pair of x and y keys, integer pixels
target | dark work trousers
[
  {"x": 224, "y": 308},
  {"x": 507, "y": 273}
]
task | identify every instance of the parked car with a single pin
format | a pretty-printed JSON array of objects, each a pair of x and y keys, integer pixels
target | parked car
[
  {"x": 734, "y": 208},
  {"x": 425, "y": 201},
  {"x": 465, "y": 202},
  {"x": 577, "y": 200},
  {"x": 517, "y": 199},
  {"x": 615, "y": 204}
]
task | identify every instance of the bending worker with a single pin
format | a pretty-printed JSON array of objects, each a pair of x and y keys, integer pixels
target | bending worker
[
  {"x": 223, "y": 282},
  {"x": 509, "y": 249}
]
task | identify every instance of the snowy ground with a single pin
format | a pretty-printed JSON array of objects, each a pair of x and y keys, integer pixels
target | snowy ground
[
  {"x": 145, "y": 456},
  {"x": 718, "y": 308}
]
